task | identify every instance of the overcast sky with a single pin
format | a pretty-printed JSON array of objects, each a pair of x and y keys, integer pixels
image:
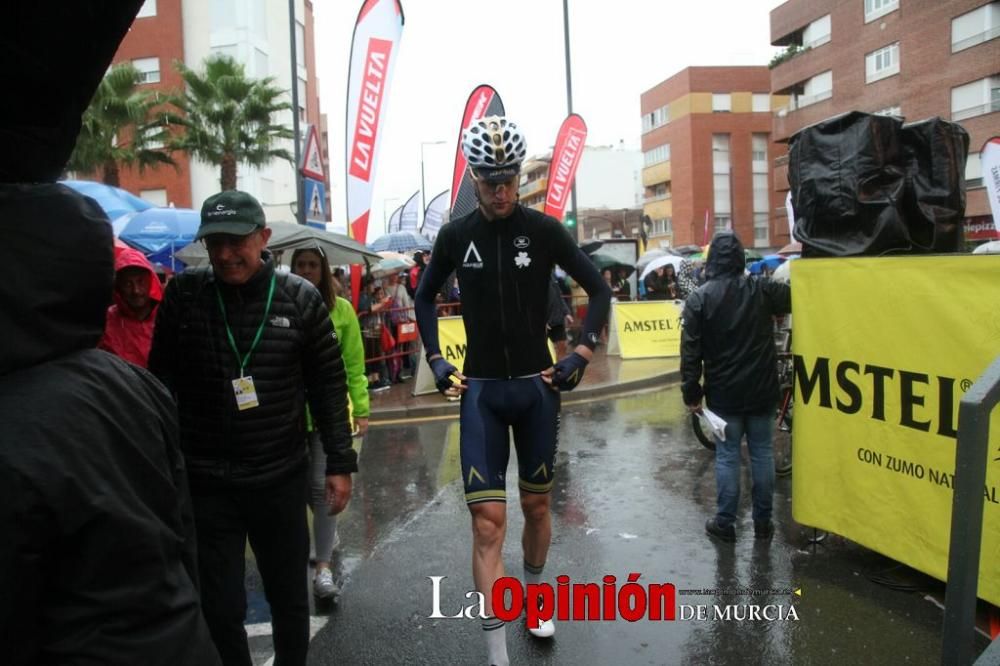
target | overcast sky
[{"x": 619, "y": 50}]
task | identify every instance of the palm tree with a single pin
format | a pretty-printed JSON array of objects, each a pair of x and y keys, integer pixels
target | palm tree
[
  {"x": 227, "y": 118},
  {"x": 121, "y": 127}
]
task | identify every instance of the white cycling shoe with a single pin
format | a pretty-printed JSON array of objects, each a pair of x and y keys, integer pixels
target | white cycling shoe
[{"x": 545, "y": 629}]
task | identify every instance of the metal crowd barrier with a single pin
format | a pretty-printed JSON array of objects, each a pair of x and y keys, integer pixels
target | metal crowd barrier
[{"x": 971, "y": 456}]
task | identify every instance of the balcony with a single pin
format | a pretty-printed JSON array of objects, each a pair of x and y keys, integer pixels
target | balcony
[
  {"x": 657, "y": 173},
  {"x": 789, "y": 121},
  {"x": 659, "y": 209},
  {"x": 975, "y": 40},
  {"x": 533, "y": 187},
  {"x": 978, "y": 110}
]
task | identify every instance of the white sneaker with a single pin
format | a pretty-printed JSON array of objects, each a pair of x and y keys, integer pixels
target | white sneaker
[
  {"x": 545, "y": 629},
  {"x": 323, "y": 585}
]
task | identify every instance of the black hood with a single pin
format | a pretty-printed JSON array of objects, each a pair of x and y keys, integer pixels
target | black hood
[
  {"x": 725, "y": 256},
  {"x": 56, "y": 273},
  {"x": 53, "y": 59}
]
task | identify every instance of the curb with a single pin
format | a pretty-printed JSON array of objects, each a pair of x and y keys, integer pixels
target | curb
[{"x": 450, "y": 409}]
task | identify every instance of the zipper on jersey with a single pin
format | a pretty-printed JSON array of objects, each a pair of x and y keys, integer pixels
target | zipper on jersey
[{"x": 503, "y": 321}]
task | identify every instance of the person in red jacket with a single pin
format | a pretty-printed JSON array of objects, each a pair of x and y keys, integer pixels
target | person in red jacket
[{"x": 128, "y": 332}]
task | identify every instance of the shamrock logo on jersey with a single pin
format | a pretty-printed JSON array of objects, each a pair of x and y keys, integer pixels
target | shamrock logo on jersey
[{"x": 522, "y": 260}]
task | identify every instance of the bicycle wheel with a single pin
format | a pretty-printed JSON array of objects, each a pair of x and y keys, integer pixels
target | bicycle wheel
[{"x": 706, "y": 439}]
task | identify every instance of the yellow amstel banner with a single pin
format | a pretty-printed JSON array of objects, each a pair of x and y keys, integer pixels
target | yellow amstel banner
[
  {"x": 885, "y": 348},
  {"x": 451, "y": 336},
  {"x": 646, "y": 329}
]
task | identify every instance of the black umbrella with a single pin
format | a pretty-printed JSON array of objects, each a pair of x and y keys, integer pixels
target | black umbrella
[{"x": 603, "y": 261}]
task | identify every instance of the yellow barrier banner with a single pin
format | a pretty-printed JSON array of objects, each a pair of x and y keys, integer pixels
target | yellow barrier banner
[
  {"x": 647, "y": 329},
  {"x": 884, "y": 349},
  {"x": 451, "y": 336}
]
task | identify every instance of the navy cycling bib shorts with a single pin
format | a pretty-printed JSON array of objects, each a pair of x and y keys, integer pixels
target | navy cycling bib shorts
[{"x": 491, "y": 409}]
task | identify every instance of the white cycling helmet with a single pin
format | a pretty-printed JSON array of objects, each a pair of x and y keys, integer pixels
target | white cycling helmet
[{"x": 494, "y": 148}]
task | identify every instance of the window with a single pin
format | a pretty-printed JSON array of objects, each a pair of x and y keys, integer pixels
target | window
[
  {"x": 877, "y": 8},
  {"x": 761, "y": 200},
  {"x": 657, "y": 118},
  {"x": 148, "y": 9},
  {"x": 260, "y": 64},
  {"x": 882, "y": 63},
  {"x": 815, "y": 89},
  {"x": 302, "y": 99},
  {"x": 761, "y": 102},
  {"x": 658, "y": 192},
  {"x": 722, "y": 223},
  {"x": 816, "y": 33},
  {"x": 657, "y": 155},
  {"x": 155, "y": 197},
  {"x": 258, "y": 14},
  {"x": 300, "y": 46},
  {"x": 721, "y": 185},
  {"x": 222, "y": 14},
  {"x": 976, "y": 98},
  {"x": 890, "y": 111},
  {"x": 974, "y": 170},
  {"x": 149, "y": 69},
  {"x": 722, "y": 102},
  {"x": 978, "y": 26},
  {"x": 663, "y": 227},
  {"x": 758, "y": 153},
  {"x": 761, "y": 232}
]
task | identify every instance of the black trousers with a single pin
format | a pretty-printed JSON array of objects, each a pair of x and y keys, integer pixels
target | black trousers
[{"x": 273, "y": 518}]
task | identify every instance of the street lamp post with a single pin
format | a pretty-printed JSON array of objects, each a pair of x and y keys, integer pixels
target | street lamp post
[
  {"x": 423, "y": 194},
  {"x": 385, "y": 220}
]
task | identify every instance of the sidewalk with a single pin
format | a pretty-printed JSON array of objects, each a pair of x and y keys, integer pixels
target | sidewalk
[{"x": 606, "y": 375}]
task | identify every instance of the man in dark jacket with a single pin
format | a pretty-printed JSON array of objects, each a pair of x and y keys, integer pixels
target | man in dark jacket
[
  {"x": 97, "y": 554},
  {"x": 727, "y": 331},
  {"x": 243, "y": 347}
]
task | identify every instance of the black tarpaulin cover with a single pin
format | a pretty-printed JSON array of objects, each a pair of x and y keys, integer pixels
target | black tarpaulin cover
[{"x": 866, "y": 184}]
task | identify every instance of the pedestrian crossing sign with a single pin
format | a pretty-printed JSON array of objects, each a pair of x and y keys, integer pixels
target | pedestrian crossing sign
[{"x": 315, "y": 200}]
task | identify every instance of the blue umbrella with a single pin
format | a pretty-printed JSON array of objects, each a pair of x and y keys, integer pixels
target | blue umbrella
[
  {"x": 771, "y": 261},
  {"x": 400, "y": 241},
  {"x": 160, "y": 232},
  {"x": 115, "y": 202}
]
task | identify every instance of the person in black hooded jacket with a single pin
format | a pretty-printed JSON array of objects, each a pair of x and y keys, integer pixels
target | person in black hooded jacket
[
  {"x": 97, "y": 557},
  {"x": 727, "y": 335}
]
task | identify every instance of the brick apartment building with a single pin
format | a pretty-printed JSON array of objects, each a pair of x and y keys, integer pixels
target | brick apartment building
[
  {"x": 911, "y": 58},
  {"x": 707, "y": 147},
  {"x": 256, "y": 34}
]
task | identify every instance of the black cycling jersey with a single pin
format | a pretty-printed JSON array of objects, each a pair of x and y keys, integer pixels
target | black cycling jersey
[{"x": 504, "y": 267}]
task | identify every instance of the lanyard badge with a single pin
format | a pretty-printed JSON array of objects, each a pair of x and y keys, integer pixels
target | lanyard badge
[{"x": 243, "y": 387}]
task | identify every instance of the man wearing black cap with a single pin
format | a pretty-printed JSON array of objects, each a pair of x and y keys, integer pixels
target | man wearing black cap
[{"x": 242, "y": 347}]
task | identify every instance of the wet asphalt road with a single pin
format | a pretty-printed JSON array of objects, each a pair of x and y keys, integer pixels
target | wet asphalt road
[{"x": 633, "y": 491}]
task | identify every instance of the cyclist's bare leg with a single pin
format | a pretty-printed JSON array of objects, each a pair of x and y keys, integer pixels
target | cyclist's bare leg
[
  {"x": 537, "y": 533},
  {"x": 489, "y": 526}
]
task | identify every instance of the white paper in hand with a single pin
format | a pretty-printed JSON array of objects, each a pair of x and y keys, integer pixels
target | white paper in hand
[{"x": 713, "y": 423}]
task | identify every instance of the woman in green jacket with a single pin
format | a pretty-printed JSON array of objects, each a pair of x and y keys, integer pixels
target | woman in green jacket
[{"x": 311, "y": 264}]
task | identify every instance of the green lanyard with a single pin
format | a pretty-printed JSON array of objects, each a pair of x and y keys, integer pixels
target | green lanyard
[{"x": 260, "y": 329}]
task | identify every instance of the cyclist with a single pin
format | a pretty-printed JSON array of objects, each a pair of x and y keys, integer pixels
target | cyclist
[{"x": 504, "y": 254}]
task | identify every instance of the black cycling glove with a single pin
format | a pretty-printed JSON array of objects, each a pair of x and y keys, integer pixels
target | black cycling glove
[
  {"x": 568, "y": 372},
  {"x": 443, "y": 370}
]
